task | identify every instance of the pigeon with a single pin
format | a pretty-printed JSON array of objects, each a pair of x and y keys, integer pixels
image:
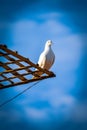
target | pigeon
[{"x": 46, "y": 58}]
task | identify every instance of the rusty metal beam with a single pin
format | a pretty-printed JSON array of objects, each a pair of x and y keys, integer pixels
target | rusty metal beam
[{"x": 10, "y": 74}]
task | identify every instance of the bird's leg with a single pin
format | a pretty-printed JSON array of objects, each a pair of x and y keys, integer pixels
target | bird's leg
[{"x": 37, "y": 64}]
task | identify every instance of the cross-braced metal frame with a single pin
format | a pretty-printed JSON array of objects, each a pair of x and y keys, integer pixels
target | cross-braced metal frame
[{"x": 16, "y": 69}]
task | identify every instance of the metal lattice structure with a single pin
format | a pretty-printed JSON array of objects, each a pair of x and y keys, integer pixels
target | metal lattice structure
[{"x": 16, "y": 69}]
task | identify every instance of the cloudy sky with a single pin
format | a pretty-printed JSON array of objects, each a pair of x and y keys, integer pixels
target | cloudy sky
[{"x": 56, "y": 103}]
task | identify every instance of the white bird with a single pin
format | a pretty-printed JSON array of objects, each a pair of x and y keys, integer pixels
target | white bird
[{"x": 46, "y": 58}]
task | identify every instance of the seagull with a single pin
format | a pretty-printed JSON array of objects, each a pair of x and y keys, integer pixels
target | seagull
[{"x": 46, "y": 58}]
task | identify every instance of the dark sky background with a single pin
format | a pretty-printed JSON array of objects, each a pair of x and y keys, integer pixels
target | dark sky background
[{"x": 29, "y": 112}]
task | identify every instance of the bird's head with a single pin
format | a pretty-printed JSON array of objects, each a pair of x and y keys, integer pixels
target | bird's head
[{"x": 49, "y": 43}]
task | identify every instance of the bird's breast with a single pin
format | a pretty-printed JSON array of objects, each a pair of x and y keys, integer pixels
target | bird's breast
[{"x": 49, "y": 60}]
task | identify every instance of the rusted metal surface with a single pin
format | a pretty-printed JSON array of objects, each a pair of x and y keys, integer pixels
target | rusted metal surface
[{"x": 16, "y": 69}]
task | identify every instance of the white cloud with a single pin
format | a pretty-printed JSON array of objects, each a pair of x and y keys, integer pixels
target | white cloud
[
  {"x": 50, "y": 16},
  {"x": 79, "y": 112},
  {"x": 54, "y": 28},
  {"x": 64, "y": 100},
  {"x": 69, "y": 47},
  {"x": 36, "y": 114},
  {"x": 30, "y": 35}
]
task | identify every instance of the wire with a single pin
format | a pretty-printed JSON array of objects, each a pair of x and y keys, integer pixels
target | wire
[{"x": 11, "y": 99}]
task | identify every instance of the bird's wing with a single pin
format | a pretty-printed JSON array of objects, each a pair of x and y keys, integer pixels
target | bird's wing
[
  {"x": 42, "y": 60},
  {"x": 53, "y": 59}
]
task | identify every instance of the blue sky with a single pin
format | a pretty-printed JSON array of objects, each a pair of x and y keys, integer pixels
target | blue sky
[{"x": 56, "y": 103}]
